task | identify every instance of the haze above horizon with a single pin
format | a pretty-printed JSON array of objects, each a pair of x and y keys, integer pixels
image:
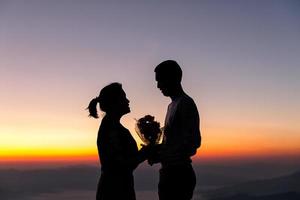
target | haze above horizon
[{"x": 240, "y": 61}]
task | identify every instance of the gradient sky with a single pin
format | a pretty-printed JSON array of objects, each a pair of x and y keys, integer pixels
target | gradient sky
[{"x": 240, "y": 61}]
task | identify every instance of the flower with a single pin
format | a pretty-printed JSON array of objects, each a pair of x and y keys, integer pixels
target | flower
[{"x": 148, "y": 130}]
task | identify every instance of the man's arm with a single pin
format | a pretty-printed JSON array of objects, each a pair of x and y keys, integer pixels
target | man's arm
[{"x": 190, "y": 127}]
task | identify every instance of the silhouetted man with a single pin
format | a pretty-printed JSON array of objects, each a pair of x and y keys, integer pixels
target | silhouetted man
[{"x": 182, "y": 137}]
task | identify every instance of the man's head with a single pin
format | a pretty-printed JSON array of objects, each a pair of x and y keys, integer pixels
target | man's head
[{"x": 168, "y": 75}]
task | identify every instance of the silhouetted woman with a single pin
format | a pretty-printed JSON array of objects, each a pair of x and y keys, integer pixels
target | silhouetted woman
[{"x": 117, "y": 149}]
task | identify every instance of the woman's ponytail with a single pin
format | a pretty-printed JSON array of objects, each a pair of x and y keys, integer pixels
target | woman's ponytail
[
  {"x": 107, "y": 98},
  {"x": 93, "y": 108}
]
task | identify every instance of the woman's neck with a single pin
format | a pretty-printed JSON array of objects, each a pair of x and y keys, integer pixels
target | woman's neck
[{"x": 114, "y": 117}]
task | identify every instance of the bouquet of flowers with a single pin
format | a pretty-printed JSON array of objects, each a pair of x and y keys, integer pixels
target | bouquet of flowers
[{"x": 148, "y": 130}]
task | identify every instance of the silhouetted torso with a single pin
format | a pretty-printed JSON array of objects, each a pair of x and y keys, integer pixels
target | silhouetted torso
[
  {"x": 182, "y": 135},
  {"x": 119, "y": 157}
]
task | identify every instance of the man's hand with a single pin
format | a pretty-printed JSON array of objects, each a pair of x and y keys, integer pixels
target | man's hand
[{"x": 155, "y": 154}]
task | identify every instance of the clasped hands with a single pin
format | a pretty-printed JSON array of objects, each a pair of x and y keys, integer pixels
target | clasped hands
[{"x": 152, "y": 153}]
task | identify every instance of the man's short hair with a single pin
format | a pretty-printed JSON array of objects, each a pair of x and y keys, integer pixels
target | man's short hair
[{"x": 169, "y": 70}]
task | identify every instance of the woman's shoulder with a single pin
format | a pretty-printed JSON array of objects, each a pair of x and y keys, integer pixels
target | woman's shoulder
[{"x": 111, "y": 127}]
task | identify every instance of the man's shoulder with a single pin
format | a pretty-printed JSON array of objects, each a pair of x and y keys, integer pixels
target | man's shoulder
[
  {"x": 187, "y": 100},
  {"x": 187, "y": 104}
]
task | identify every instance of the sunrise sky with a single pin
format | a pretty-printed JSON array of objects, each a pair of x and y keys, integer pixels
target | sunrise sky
[{"x": 240, "y": 61}]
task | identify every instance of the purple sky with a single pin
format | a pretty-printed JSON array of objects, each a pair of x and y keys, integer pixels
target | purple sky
[{"x": 240, "y": 61}]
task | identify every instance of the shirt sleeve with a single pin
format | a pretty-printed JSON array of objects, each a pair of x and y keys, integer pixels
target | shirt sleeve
[
  {"x": 190, "y": 127},
  {"x": 183, "y": 137}
]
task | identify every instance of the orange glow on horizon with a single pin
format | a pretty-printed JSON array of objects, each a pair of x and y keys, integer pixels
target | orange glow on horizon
[
  {"x": 92, "y": 156},
  {"x": 218, "y": 143}
]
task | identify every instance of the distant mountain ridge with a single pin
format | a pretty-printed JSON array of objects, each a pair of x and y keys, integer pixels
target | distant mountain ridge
[
  {"x": 15, "y": 183},
  {"x": 288, "y": 185},
  {"x": 282, "y": 196},
  {"x": 19, "y": 184}
]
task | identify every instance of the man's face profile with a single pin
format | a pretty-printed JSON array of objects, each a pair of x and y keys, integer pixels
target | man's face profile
[{"x": 163, "y": 84}]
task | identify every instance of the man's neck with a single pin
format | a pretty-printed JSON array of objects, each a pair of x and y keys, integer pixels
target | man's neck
[{"x": 178, "y": 92}]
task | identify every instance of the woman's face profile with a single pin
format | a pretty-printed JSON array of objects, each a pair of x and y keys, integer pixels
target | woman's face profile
[{"x": 123, "y": 103}]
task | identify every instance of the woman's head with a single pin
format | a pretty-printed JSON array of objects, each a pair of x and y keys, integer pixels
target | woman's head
[{"x": 112, "y": 99}]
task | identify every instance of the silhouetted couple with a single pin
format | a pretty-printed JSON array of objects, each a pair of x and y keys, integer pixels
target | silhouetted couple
[{"x": 118, "y": 150}]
